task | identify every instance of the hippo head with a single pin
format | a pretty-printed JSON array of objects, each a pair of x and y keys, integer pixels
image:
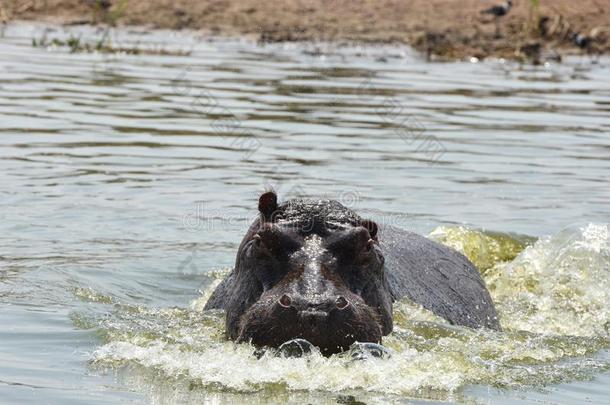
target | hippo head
[{"x": 311, "y": 270}]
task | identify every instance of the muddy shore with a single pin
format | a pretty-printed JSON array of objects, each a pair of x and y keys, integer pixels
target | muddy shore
[{"x": 440, "y": 29}]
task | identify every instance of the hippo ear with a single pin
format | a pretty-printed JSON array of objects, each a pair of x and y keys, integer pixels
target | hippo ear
[
  {"x": 370, "y": 226},
  {"x": 267, "y": 205}
]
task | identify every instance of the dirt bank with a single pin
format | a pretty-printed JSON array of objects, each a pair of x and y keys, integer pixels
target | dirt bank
[{"x": 445, "y": 29}]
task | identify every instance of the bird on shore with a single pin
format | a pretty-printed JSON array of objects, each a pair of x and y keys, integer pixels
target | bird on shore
[
  {"x": 582, "y": 41},
  {"x": 587, "y": 45},
  {"x": 498, "y": 12}
]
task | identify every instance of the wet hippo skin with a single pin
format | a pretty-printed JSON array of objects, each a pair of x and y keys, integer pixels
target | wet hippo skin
[{"x": 315, "y": 270}]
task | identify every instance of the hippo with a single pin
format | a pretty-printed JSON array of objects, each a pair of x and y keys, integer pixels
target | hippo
[{"x": 315, "y": 270}]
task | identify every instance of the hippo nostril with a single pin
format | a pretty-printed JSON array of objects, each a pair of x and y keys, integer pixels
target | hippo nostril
[
  {"x": 285, "y": 301},
  {"x": 341, "y": 303}
]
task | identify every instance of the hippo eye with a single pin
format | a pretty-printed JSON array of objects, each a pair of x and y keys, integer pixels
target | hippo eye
[
  {"x": 260, "y": 245},
  {"x": 367, "y": 250},
  {"x": 353, "y": 244},
  {"x": 271, "y": 241}
]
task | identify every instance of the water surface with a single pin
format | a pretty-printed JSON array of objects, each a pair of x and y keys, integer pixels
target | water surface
[{"x": 128, "y": 180}]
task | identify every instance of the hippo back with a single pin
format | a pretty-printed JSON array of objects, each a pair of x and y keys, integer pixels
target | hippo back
[{"x": 436, "y": 277}]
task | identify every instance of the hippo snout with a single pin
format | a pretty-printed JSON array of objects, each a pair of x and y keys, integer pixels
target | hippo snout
[
  {"x": 313, "y": 318},
  {"x": 331, "y": 322},
  {"x": 305, "y": 306},
  {"x": 311, "y": 312}
]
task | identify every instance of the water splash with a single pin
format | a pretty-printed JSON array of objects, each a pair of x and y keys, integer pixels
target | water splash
[
  {"x": 560, "y": 285},
  {"x": 484, "y": 249},
  {"x": 551, "y": 298}
]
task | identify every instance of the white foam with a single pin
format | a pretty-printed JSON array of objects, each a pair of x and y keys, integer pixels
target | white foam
[{"x": 552, "y": 300}]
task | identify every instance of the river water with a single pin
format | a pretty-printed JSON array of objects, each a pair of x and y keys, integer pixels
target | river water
[{"x": 128, "y": 180}]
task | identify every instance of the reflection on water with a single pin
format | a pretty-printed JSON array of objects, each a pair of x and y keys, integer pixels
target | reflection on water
[{"x": 127, "y": 182}]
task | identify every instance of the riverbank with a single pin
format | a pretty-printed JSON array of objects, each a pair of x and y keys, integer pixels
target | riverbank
[{"x": 441, "y": 29}]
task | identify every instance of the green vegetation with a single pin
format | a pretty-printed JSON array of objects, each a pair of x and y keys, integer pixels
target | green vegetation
[
  {"x": 103, "y": 45},
  {"x": 533, "y": 21}
]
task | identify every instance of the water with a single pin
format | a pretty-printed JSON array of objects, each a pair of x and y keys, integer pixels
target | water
[{"x": 128, "y": 180}]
